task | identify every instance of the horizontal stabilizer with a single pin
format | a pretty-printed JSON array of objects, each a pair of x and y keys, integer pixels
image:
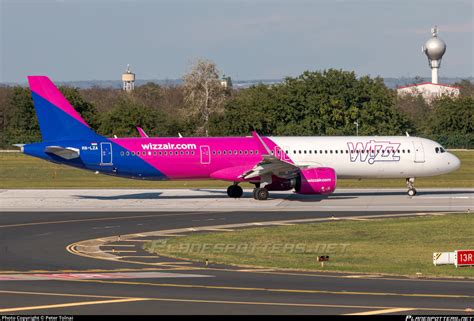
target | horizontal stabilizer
[
  {"x": 20, "y": 146},
  {"x": 63, "y": 152}
]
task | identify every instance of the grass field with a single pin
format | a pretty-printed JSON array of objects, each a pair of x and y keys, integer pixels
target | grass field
[
  {"x": 401, "y": 246},
  {"x": 20, "y": 171}
]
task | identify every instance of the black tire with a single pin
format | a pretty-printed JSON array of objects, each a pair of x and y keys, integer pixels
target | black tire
[
  {"x": 411, "y": 192},
  {"x": 230, "y": 190},
  {"x": 235, "y": 191},
  {"x": 261, "y": 194},
  {"x": 238, "y": 191}
]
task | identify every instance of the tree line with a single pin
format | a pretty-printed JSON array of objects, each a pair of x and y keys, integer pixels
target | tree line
[{"x": 327, "y": 102}]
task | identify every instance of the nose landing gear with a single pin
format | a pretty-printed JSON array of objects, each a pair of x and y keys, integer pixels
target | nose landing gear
[
  {"x": 235, "y": 191},
  {"x": 411, "y": 186}
]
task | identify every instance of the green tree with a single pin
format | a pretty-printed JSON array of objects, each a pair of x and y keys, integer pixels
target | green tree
[
  {"x": 22, "y": 123},
  {"x": 452, "y": 122},
  {"x": 123, "y": 119},
  {"x": 315, "y": 103}
]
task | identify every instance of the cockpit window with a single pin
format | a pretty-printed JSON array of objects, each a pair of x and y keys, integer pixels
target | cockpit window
[
  {"x": 442, "y": 150},
  {"x": 437, "y": 150}
]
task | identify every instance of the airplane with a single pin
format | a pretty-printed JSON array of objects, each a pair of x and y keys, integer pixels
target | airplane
[{"x": 306, "y": 165}]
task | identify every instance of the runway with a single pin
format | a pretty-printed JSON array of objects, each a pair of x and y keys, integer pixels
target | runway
[
  {"x": 216, "y": 199},
  {"x": 46, "y": 267}
]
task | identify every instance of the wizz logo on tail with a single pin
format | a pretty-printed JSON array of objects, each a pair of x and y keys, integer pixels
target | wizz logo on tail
[{"x": 374, "y": 151}]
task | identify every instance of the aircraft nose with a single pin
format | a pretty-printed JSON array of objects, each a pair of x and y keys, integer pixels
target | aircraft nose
[{"x": 454, "y": 162}]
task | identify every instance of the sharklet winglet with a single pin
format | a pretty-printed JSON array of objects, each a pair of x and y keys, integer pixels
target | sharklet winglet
[
  {"x": 259, "y": 139},
  {"x": 142, "y": 132}
]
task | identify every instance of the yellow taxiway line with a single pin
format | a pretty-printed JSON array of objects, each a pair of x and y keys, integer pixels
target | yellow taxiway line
[
  {"x": 217, "y": 287},
  {"x": 118, "y": 299},
  {"x": 73, "y": 304},
  {"x": 384, "y": 311}
]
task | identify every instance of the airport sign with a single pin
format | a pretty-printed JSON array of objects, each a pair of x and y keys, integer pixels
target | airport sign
[{"x": 464, "y": 257}]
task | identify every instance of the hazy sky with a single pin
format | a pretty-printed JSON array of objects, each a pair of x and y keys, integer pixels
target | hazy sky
[{"x": 85, "y": 40}]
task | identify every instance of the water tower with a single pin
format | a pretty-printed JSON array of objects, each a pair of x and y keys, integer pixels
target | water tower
[
  {"x": 434, "y": 49},
  {"x": 128, "y": 80}
]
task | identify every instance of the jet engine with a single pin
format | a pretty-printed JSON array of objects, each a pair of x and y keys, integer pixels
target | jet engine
[{"x": 321, "y": 180}]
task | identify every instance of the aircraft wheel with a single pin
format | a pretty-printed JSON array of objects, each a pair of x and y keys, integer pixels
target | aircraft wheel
[
  {"x": 235, "y": 191},
  {"x": 260, "y": 194},
  {"x": 411, "y": 192}
]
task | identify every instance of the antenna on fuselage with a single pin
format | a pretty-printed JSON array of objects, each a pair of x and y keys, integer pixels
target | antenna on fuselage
[{"x": 408, "y": 135}]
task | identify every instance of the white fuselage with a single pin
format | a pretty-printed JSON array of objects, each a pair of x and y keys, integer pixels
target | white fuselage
[{"x": 371, "y": 156}]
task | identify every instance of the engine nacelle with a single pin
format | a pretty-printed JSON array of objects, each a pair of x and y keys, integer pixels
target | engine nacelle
[{"x": 321, "y": 180}]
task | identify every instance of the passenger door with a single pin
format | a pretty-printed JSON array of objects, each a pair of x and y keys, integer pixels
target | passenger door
[
  {"x": 105, "y": 153},
  {"x": 205, "y": 154},
  {"x": 419, "y": 152}
]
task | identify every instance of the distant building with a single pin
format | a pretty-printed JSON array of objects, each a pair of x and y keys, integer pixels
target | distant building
[
  {"x": 428, "y": 90},
  {"x": 226, "y": 82},
  {"x": 128, "y": 80},
  {"x": 434, "y": 49}
]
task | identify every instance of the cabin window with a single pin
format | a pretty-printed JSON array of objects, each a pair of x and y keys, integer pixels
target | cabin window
[
  {"x": 240, "y": 152},
  {"x": 213, "y": 152},
  {"x": 160, "y": 153},
  {"x": 122, "y": 153},
  {"x": 181, "y": 152},
  {"x": 133, "y": 153},
  {"x": 127, "y": 153},
  {"x": 347, "y": 151},
  {"x": 408, "y": 151},
  {"x": 256, "y": 152},
  {"x": 251, "y": 152},
  {"x": 219, "y": 152},
  {"x": 304, "y": 151},
  {"x": 325, "y": 152},
  {"x": 224, "y": 152},
  {"x": 246, "y": 152},
  {"x": 336, "y": 151},
  {"x": 330, "y": 151}
]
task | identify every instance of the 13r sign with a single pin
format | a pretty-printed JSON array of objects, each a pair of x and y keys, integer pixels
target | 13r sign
[{"x": 463, "y": 257}]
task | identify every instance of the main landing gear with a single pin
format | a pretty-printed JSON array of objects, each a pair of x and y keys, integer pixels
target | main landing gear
[
  {"x": 260, "y": 193},
  {"x": 235, "y": 191},
  {"x": 411, "y": 186}
]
